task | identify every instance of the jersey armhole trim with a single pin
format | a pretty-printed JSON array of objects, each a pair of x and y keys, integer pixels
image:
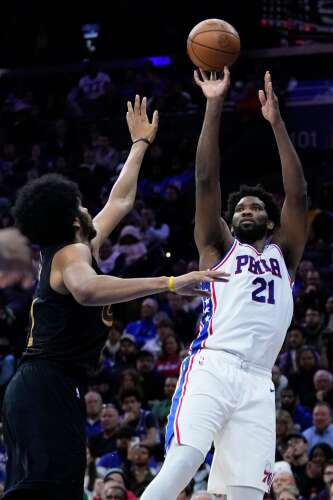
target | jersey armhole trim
[
  {"x": 284, "y": 260},
  {"x": 225, "y": 257}
]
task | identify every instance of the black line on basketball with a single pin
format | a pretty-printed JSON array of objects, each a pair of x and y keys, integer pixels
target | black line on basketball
[
  {"x": 213, "y": 48},
  {"x": 213, "y": 68}
]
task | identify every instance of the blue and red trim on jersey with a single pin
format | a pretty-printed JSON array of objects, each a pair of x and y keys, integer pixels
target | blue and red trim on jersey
[
  {"x": 209, "y": 306},
  {"x": 172, "y": 427}
]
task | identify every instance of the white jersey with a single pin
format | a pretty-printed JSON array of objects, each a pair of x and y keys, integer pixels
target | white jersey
[{"x": 248, "y": 316}]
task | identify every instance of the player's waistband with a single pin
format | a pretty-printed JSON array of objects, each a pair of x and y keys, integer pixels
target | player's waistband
[{"x": 234, "y": 359}]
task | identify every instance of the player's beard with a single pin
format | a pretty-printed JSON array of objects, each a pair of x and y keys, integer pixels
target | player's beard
[
  {"x": 250, "y": 234},
  {"x": 87, "y": 227}
]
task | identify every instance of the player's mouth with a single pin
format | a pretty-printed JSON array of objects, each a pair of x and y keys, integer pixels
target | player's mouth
[{"x": 247, "y": 221}]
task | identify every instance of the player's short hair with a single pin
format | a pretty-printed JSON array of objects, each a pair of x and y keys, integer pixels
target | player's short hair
[
  {"x": 271, "y": 206},
  {"x": 46, "y": 209}
]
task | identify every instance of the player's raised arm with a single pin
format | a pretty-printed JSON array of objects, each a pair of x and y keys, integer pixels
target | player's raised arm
[
  {"x": 123, "y": 193},
  {"x": 293, "y": 231},
  {"x": 212, "y": 235},
  {"x": 75, "y": 275}
]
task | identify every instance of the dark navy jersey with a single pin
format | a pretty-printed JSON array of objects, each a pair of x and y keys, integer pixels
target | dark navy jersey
[{"x": 62, "y": 330}]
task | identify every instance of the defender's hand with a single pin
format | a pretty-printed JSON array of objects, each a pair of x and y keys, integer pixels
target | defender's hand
[
  {"x": 269, "y": 102},
  {"x": 137, "y": 120},
  {"x": 188, "y": 284},
  {"x": 213, "y": 87}
]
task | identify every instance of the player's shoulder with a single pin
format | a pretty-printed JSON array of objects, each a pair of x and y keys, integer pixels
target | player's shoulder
[{"x": 74, "y": 252}]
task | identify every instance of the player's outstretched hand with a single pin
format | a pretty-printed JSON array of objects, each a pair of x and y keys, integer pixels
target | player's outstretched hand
[
  {"x": 213, "y": 86},
  {"x": 269, "y": 102},
  {"x": 137, "y": 120},
  {"x": 189, "y": 284}
]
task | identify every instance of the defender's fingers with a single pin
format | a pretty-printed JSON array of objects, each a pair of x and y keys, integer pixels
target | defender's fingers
[
  {"x": 137, "y": 104},
  {"x": 155, "y": 119},
  {"x": 144, "y": 106},
  {"x": 262, "y": 97}
]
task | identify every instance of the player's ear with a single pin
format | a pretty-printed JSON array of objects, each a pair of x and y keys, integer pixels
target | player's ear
[
  {"x": 232, "y": 230},
  {"x": 270, "y": 225}
]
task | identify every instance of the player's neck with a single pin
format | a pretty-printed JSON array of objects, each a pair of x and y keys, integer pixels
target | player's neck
[
  {"x": 79, "y": 238},
  {"x": 259, "y": 245}
]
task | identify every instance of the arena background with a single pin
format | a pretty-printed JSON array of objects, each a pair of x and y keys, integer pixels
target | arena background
[{"x": 48, "y": 124}]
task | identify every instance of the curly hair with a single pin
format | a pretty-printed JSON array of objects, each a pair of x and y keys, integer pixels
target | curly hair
[
  {"x": 271, "y": 206},
  {"x": 46, "y": 208}
]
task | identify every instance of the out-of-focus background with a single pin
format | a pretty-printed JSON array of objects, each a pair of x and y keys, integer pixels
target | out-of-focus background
[{"x": 66, "y": 73}]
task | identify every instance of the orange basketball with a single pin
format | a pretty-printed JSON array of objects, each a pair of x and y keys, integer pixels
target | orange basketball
[{"x": 213, "y": 44}]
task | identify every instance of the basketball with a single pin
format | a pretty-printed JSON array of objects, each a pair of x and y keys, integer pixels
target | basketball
[{"x": 213, "y": 44}]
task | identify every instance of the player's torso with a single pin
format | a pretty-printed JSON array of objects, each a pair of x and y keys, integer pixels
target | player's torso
[
  {"x": 250, "y": 314},
  {"x": 61, "y": 329}
]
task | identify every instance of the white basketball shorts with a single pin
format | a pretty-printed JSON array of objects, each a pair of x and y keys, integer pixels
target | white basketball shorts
[{"x": 224, "y": 400}]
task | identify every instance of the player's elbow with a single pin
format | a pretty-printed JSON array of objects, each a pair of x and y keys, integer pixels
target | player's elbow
[{"x": 83, "y": 294}]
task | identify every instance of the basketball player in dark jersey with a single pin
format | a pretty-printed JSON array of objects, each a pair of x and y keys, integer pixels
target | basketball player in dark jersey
[{"x": 43, "y": 411}]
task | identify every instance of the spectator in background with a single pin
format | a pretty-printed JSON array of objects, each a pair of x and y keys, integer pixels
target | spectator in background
[
  {"x": 322, "y": 429},
  {"x": 288, "y": 493},
  {"x": 323, "y": 382},
  {"x": 168, "y": 363},
  {"x": 114, "y": 491},
  {"x": 107, "y": 261},
  {"x": 184, "y": 321},
  {"x": 164, "y": 327},
  {"x": 106, "y": 155},
  {"x": 288, "y": 359},
  {"x": 112, "y": 345},
  {"x": 152, "y": 381},
  {"x": 127, "y": 354},
  {"x": 328, "y": 480},
  {"x": 138, "y": 473},
  {"x": 94, "y": 405},
  {"x": 117, "y": 475},
  {"x": 161, "y": 409},
  {"x": 144, "y": 329},
  {"x": 302, "y": 381},
  {"x": 129, "y": 381},
  {"x": 105, "y": 441},
  {"x": 301, "y": 415},
  {"x": 329, "y": 314},
  {"x": 128, "y": 250},
  {"x": 284, "y": 428},
  {"x": 283, "y": 477},
  {"x": 93, "y": 85},
  {"x": 314, "y": 295},
  {"x": 91, "y": 473},
  {"x": 119, "y": 456},
  {"x": 152, "y": 232},
  {"x": 321, "y": 453},
  {"x": 142, "y": 422},
  {"x": 312, "y": 327},
  {"x": 299, "y": 458}
]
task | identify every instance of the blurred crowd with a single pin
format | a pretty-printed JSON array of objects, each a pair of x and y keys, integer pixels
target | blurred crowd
[{"x": 80, "y": 132}]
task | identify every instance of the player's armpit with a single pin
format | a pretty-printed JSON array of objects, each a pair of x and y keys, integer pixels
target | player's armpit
[{"x": 212, "y": 236}]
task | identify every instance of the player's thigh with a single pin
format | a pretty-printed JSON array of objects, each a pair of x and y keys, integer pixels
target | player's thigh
[
  {"x": 202, "y": 412},
  {"x": 44, "y": 424},
  {"x": 245, "y": 449}
]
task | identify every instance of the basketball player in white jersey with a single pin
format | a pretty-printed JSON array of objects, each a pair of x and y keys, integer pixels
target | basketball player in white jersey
[{"x": 225, "y": 392}]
